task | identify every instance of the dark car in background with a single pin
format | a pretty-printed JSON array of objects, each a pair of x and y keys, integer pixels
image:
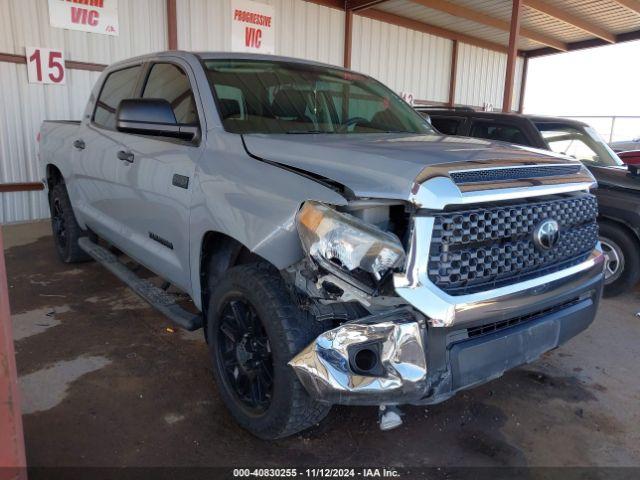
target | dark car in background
[{"x": 618, "y": 190}]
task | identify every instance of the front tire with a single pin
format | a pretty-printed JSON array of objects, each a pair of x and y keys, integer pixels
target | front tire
[
  {"x": 66, "y": 231},
  {"x": 254, "y": 328},
  {"x": 622, "y": 260}
]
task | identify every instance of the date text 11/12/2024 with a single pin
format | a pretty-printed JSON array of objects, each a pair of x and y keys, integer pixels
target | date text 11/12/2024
[{"x": 316, "y": 472}]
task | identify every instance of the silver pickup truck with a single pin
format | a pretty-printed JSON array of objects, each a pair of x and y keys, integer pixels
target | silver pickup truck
[{"x": 338, "y": 249}]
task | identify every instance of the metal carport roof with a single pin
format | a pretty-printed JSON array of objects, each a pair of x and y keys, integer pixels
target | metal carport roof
[
  {"x": 545, "y": 26},
  {"x": 526, "y": 28}
]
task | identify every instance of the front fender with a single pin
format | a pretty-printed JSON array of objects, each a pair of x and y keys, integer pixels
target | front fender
[{"x": 251, "y": 201}]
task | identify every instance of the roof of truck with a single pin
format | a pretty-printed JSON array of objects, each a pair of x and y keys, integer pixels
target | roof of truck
[{"x": 223, "y": 55}]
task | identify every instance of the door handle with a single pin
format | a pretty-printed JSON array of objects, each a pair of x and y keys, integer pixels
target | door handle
[
  {"x": 79, "y": 144},
  {"x": 126, "y": 156}
]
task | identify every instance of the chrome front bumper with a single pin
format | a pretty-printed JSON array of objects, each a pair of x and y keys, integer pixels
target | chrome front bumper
[{"x": 424, "y": 363}]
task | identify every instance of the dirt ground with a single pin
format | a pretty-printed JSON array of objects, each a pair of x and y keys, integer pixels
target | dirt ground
[{"x": 104, "y": 383}]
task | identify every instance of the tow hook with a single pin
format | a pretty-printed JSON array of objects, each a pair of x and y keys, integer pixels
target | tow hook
[{"x": 389, "y": 417}]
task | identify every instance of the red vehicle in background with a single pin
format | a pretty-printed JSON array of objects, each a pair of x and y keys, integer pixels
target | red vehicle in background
[{"x": 630, "y": 158}]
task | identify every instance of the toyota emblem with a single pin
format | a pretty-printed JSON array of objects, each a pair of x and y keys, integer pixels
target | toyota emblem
[{"x": 546, "y": 235}]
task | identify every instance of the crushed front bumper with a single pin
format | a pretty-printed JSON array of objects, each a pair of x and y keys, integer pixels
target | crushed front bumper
[
  {"x": 424, "y": 362},
  {"x": 329, "y": 370}
]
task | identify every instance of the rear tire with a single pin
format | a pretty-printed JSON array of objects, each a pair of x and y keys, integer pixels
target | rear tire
[
  {"x": 66, "y": 231},
  {"x": 254, "y": 329},
  {"x": 622, "y": 264}
]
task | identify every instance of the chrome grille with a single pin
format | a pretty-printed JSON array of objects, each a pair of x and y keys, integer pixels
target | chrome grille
[
  {"x": 506, "y": 174},
  {"x": 485, "y": 248}
]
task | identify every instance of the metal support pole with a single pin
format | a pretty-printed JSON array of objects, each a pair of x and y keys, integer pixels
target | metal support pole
[
  {"x": 172, "y": 25},
  {"x": 348, "y": 33},
  {"x": 453, "y": 74},
  {"x": 512, "y": 54},
  {"x": 613, "y": 124}
]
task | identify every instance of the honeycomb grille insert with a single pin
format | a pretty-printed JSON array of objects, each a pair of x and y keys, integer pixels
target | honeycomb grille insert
[
  {"x": 505, "y": 174},
  {"x": 482, "y": 249}
]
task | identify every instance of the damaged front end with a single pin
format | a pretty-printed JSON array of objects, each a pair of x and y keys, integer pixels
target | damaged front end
[
  {"x": 374, "y": 354},
  {"x": 446, "y": 299}
]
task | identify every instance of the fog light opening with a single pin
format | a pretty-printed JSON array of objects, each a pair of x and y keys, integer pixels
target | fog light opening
[{"x": 366, "y": 360}]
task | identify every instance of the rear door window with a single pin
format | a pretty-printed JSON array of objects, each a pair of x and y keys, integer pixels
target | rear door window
[
  {"x": 118, "y": 86},
  {"x": 497, "y": 131},
  {"x": 447, "y": 125},
  {"x": 169, "y": 82}
]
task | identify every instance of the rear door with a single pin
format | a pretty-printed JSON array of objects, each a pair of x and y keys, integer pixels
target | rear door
[
  {"x": 156, "y": 182},
  {"x": 97, "y": 194}
]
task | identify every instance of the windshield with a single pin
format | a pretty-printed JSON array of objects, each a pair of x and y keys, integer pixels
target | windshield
[
  {"x": 281, "y": 97},
  {"x": 580, "y": 142}
]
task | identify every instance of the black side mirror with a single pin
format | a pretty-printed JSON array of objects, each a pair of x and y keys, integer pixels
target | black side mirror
[
  {"x": 634, "y": 170},
  {"x": 151, "y": 116}
]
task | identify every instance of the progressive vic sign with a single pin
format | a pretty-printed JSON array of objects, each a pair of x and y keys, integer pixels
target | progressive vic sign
[
  {"x": 252, "y": 27},
  {"x": 95, "y": 16}
]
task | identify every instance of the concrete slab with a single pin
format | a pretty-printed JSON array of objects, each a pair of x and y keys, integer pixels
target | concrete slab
[{"x": 109, "y": 385}]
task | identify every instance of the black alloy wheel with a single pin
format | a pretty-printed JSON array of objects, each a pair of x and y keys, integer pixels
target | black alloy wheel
[
  {"x": 254, "y": 328},
  {"x": 64, "y": 226},
  {"x": 245, "y": 353}
]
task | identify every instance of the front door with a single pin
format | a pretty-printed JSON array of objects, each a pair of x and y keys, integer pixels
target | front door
[{"x": 156, "y": 178}]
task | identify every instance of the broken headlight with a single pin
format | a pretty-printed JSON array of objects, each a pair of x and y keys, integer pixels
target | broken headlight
[{"x": 344, "y": 244}]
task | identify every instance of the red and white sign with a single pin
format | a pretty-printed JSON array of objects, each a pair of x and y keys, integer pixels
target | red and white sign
[
  {"x": 95, "y": 16},
  {"x": 45, "y": 66},
  {"x": 252, "y": 27},
  {"x": 407, "y": 97}
]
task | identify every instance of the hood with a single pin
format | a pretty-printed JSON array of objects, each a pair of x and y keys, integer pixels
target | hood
[
  {"x": 615, "y": 177},
  {"x": 381, "y": 165}
]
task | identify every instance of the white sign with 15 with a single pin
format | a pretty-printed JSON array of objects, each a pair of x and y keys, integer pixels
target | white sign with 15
[{"x": 45, "y": 65}]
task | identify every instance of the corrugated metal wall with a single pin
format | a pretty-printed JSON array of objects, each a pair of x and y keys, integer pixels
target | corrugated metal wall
[
  {"x": 403, "y": 59},
  {"x": 517, "y": 83},
  {"x": 303, "y": 29},
  {"x": 21, "y": 114},
  {"x": 24, "y": 106},
  {"x": 411, "y": 61},
  {"x": 480, "y": 77}
]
